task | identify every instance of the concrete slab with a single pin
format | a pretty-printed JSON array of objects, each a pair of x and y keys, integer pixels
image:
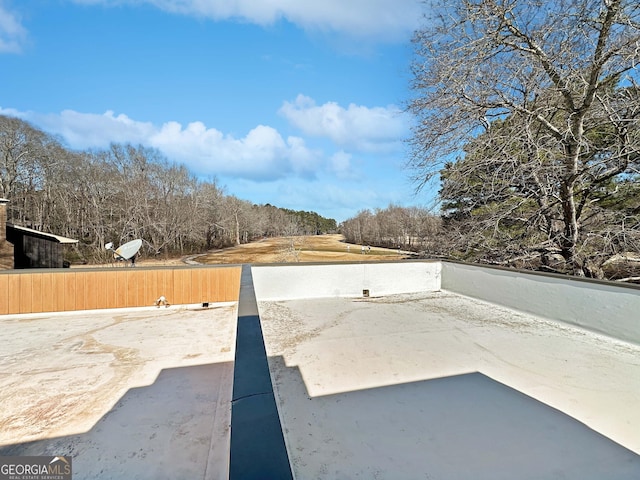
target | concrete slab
[
  {"x": 437, "y": 385},
  {"x": 140, "y": 393},
  {"x": 426, "y": 385}
]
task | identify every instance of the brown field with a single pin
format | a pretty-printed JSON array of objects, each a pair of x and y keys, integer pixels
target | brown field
[
  {"x": 316, "y": 248},
  {"x": 313, "y": 248}
]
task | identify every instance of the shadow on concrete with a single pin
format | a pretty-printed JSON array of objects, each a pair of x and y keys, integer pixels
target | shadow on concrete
[
  {"x": 176, "y": 427},
  {"x": 465, "y": 426},
  {"x": 258, "y": 449},
  {"x": 461, "y": 427}
]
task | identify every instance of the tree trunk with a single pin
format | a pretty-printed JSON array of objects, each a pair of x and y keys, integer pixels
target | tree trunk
[
  {"x": 571, "y": 229},
  {"x": 237, "y": 228}
]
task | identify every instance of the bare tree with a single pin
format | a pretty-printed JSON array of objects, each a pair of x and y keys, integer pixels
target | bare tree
[
  {"x": 539, "y": 97},
  {"x": 24, "y": 152},
  {"x": 412, "y": 228},
  {"x": 127, "y": 192}
]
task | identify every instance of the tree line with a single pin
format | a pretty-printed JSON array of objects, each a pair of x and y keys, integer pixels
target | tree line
[
  {"x": 407, "y": 228},
  {"x": 126, "y": 192},
  {"x": 528, "y": 112}
]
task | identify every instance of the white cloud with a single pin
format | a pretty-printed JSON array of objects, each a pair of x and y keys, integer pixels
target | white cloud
[
  {"x": 12, "y": 33},
  {"x": 390, "y": 20},
  {"x": 374, "y": 129},
  {"x": 340, "y": 165},
  {"x": 263, "y": 154},
  {"x": 92, "y": 130},
  {"x": 262, "y": 165}
]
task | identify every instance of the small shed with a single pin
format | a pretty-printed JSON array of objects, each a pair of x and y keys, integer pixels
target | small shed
[{"x": 36, "y": 249}]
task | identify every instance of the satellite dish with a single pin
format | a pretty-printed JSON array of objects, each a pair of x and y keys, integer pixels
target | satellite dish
[{"x": 127, "y": 251}]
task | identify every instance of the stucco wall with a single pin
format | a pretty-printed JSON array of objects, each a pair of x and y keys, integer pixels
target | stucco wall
[
  {"x": 285, "y": 282},
  {"x": 606, "y": 308}
]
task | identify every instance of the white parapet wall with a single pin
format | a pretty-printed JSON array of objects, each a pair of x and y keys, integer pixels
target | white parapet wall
[
  {"x": 287, "y": 282},
  {"x": 602, "y": 307}
]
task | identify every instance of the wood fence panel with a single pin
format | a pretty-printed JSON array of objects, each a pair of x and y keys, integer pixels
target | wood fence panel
[
  {"x": 206, "y": 285},
  {"x": 36, "y": 294},
  {"x": 26, "y": 294},
  {"x": 235, "y": 288},
  {"x": 120, "y": 286},
  {"x": 151, "y": 289},
  {"x": 13, "y": 303},
  {"x": 4, "y": 295},
  {"x": 219, "y": 283},
  {"x": 165, "y": 285},
  {"x": 135, "y": 291},
  {"x": 126, "y": 296},
  {"x": 51, "y": 291},
  {"x": 157, "y": 283},
  {"x": 197, "y": 289},
  {"x": 228, "y": 286},
  {"x": 69, "y": 293},
  {"x": 101, "y": 285},
  {"x": 58, "y": 288},
  {"x": 181, "y": 286},
  {"x": 81, "y": 290},
  {"x": 47, "y": 293},
  {"x": 91, "y": 289},
  {"x": 111, "y": 289},
  {"x": 214, "y": 285}
]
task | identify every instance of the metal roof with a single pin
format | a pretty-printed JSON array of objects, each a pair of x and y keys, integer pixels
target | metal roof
[{"x": 38, "y": 233}]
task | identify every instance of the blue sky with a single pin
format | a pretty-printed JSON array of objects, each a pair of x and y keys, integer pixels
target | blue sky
[{"x": 289, "y": 102}]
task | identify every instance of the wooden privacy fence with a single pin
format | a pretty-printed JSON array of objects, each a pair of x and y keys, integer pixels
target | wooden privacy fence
[{"x": 38, "y": 291}]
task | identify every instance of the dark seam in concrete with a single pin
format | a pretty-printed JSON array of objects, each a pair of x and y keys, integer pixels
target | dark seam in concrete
[
  {"x": 249, "y": 396},
  {"x": 258, "y": 450}
]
